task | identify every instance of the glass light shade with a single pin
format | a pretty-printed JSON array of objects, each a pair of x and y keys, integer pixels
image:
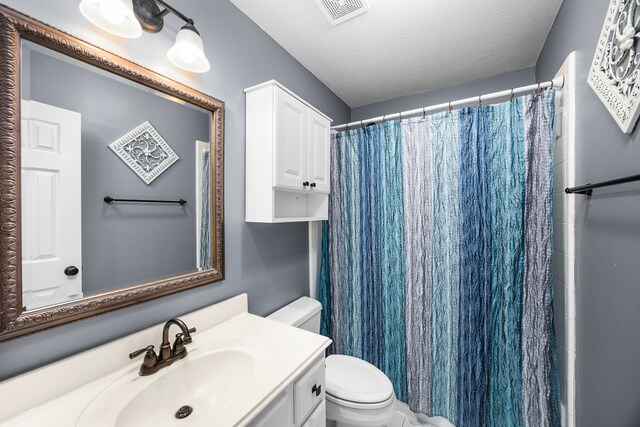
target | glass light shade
[
  {"x": 113, "y": 16},
  {"x": 188, "y": 52}
]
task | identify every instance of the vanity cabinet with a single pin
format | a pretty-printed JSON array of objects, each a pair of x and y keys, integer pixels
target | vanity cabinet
[
  {"x": 301, "y": 404},
  {"x": 287, "y": 156}
]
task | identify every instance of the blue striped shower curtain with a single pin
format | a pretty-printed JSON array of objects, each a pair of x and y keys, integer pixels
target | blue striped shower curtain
[{"x": 436, "y": 263}]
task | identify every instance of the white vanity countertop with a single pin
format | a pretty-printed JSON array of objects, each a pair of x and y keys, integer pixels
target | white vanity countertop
[{"x": 282, "y": 353}]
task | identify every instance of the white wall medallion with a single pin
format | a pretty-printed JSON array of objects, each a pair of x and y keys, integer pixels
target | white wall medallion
[
  {"x": 616, "y": 65},
  {"x": 144, "y": 151}
]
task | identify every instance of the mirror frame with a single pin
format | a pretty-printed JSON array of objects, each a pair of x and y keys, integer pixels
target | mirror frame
[{"x": 15, "y": 320}]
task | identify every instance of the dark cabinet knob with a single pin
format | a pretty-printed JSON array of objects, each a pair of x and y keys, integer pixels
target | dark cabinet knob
[
  {"x": 305, "y": 184},
  {"x": 313, "y": 184},
  {"x": 317, "y": 389},
  {"x": 72, "y": 270}
]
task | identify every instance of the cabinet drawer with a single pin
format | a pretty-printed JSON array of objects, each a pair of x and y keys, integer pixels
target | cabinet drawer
[
  {"x": 318, "y": 418},
  {"x": 308, "y": 391}
]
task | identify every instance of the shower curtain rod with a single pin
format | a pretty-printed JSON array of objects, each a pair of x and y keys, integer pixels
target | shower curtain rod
[{"x": 558, "y": 82}]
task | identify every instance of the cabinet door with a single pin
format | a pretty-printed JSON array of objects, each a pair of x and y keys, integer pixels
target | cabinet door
[
  {"x": 318, "y": 418},
  {"x": 277, "y": 414},
  {"x": 291, "y": 142},
  {"x": 318, "y": 157},
  {"x": 309, "y": 391}
]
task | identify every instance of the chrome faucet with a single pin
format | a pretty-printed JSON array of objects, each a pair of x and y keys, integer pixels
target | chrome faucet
[{"x": 153, "y": 362}]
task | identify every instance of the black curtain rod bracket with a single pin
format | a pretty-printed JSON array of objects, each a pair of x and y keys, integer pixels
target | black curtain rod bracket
[
  {"x": 109, "y": 199},
  {"x": 587, "y": 189}
]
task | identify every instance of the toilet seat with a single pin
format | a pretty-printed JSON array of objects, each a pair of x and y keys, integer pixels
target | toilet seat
[
  {"x": 359, "y": 405},
  {"x": 355, "y": 383}
]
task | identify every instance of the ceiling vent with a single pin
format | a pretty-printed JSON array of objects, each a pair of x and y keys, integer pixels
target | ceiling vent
[{"x": 339, "y": 11}]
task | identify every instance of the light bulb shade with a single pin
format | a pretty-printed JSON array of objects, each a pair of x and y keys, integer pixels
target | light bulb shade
[
  {"x": 113, "y": 16},
  {"x": 188, "y": 52}
]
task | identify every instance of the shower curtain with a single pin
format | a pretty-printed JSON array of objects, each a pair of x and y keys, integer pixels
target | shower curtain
[
  {"x": 204, "y": 257},
  {"x": 436, "y": 263}
]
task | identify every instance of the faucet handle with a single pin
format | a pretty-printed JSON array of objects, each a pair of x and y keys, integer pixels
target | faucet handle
[
  {"x": 178, "y": 344},
  {"x": 149, "y": 363},
  {"x": 139, "y": 352}
]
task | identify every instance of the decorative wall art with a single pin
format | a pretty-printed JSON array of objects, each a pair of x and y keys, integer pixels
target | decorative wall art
[
  {"x": 615, "y": 68},
  {"x": 145, "y": 152}
]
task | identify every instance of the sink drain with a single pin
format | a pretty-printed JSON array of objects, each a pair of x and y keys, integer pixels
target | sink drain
[{"x": 184, "y": 412}]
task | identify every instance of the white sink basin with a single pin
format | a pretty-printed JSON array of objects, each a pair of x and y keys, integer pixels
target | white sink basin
[{"x": 208, "y": 380}]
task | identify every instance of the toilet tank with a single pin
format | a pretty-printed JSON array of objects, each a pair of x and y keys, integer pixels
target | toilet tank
[{"x": 303, "y": 313}]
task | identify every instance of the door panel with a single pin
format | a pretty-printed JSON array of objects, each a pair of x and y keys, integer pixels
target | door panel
[
  {"x": 319, "y": 129},
  {"x": 51, "y": 218},
  {"x": 291, "y": 133},
  {"x": 277, "y": 414}
]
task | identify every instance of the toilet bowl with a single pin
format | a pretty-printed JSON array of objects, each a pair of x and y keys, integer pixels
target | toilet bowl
[{"x": 357, "y": 393}]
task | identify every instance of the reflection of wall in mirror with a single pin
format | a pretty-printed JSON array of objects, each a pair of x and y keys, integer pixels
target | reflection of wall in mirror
[{"x": 118, "y": 239}]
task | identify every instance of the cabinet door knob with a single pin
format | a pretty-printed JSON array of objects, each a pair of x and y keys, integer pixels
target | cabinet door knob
[
  {"x": 313, "y": 184},
  {"x": 305, "y": 184},
  {"x": 317, "y": 389}
]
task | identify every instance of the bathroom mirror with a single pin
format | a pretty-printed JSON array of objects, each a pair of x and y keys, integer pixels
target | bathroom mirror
[{"x": 111, "y": 180}]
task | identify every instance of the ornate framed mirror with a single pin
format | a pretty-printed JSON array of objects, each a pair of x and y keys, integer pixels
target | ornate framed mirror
[{"x": 111, "y": 180}]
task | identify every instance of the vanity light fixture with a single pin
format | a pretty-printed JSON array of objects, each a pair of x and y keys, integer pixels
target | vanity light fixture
[
  {"x": 127, "y": 18},
  {"x": 113, "y": 16}
]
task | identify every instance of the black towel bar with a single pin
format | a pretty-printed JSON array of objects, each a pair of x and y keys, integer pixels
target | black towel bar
[
  {"x": 109, "y": 199},
  {"x": 587, "y": 189}
]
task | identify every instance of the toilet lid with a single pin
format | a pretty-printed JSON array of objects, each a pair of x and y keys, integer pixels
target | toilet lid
[{"x": 353, "y": 379}]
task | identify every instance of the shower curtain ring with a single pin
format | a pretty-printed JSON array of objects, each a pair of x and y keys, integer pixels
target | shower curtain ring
[
  {"x": 512, "y": 95},
  {"x": 450, "y": 108},
  {"x": 424, "y": 113},
  {"x": 539, "y": 91},
  {"x": 480, "y": 100},
  {"x": 361, "y": 124}
]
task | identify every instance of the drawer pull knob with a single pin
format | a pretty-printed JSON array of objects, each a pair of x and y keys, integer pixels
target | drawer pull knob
[{"x": 317, "y": 389}]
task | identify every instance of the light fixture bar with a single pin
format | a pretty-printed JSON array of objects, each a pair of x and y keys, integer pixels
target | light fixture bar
[
  {"x": 168, "y": 8},
  {"x": 151, "y": 17}
]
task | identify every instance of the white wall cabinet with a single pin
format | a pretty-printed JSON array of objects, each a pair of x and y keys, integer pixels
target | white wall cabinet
[
  {"x": 301, "y": 404},
  {"x": 287, "y": 156}
]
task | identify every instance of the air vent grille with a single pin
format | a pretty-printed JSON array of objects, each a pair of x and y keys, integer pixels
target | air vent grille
[{"x": 338, "y": 11}]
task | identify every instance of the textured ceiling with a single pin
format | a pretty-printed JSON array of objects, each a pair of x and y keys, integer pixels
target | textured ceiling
[{"x": 401, "y": 47}]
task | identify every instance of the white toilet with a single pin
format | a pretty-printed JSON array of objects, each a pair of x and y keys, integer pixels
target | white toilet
[{"x": 358, "y": 393}]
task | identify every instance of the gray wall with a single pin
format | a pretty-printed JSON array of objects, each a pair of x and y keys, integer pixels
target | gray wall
[
  {"x": 270, "y": 262},
  {"x": 114, "y": 235},
  {"x": 438, "y": 96},
  {"x": 608, "y": 235}
]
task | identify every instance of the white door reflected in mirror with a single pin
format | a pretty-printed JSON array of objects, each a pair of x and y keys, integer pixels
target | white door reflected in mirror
[{"x": 51, "y": 205}]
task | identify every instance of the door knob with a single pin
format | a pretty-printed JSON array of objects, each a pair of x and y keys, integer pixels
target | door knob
[
  {"x": 305, "y": 184},
  {"x": 313, "y": 184},
  {"x": 72, "y": 270}
]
